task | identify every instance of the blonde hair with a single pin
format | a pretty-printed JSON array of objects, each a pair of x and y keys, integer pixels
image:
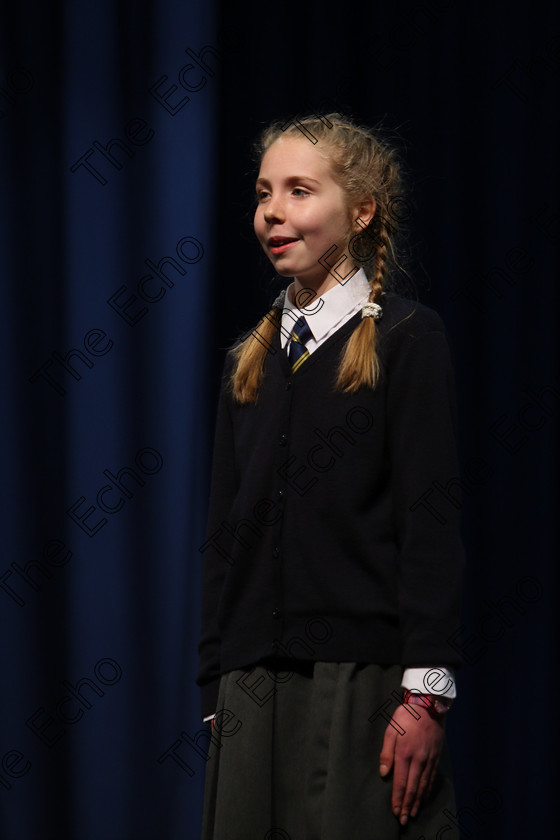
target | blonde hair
[{"x": 363, "y": 165}]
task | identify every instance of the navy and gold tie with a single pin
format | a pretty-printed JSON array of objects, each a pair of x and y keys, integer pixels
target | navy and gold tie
[{"x": 298, "y": 352}]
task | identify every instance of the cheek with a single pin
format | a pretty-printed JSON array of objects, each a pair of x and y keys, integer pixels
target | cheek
[
  {"x": 314, "y": 221},
  {"x": 258, "y": 224},
  {"x": 333, "y": 226}
]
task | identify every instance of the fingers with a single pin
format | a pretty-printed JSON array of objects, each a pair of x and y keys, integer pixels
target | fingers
[
  {"x": 415, "y": 789},
  {"x": 409, "y": 783},
  {"x": 421, "y": 790},
  {"x": 400, "y": 781},
  {"x": 432, "y": 776}
]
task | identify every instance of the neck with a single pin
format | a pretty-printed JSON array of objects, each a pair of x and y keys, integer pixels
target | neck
[{"x": 303, "y": 292}]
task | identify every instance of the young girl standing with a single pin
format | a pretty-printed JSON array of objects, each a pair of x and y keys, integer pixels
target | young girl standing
[{"x": 333, "y": 559}]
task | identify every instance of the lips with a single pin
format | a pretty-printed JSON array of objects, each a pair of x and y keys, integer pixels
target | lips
[
  {"x": 276, "y": 241},
  {"x": 280, "y": 244}
]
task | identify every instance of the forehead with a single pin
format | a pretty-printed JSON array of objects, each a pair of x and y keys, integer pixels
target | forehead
[{"x": 294, "y": 156}]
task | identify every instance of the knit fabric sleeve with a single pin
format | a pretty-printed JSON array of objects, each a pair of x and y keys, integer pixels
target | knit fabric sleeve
[
  {"x": 223, "y": 487},
  {"x": 421, "y": 422}
]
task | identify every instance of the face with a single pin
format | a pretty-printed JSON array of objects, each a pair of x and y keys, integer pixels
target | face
[{"x": 301, "y": 212}]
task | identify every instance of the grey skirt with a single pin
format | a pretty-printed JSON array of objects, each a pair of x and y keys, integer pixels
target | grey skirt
[{"x": 295, "y": 756}]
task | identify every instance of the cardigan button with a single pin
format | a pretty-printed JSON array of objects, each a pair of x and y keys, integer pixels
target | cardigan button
[
  {"x": 283, "y": 440},
  {"x": 280, "y": 494},
  {"x": 288, "y": 384},
  {"x": 276, "y": 551},
  {"x": 276, "y": 613}
]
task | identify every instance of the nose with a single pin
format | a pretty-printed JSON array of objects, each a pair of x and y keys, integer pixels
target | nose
[{"x": 274, "y": 210}]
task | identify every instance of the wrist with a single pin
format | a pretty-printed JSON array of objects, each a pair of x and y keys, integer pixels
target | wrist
[{"x": 436, "y": 706}]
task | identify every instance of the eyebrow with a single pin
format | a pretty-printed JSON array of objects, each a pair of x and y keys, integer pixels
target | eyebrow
[{"x": 293, "y": 179}]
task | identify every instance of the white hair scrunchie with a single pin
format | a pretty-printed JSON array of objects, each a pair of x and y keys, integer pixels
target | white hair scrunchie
[
  {"x": 279, "y": 302},
  {"x": 372, "y": 310}
]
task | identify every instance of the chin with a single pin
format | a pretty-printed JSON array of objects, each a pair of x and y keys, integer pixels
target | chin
[{"x": 284, "y": 271}]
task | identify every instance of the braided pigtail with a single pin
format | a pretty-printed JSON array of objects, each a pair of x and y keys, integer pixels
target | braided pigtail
[
  {"x": 359, "y": 364},
  {"x": 250, "y": 355}
]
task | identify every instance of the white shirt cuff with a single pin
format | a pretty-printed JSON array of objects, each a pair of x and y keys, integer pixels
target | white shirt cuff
[{"x": 438, "y": 681}]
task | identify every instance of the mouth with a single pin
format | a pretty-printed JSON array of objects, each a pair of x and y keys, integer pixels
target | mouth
[{"x": 281, "y": 244}]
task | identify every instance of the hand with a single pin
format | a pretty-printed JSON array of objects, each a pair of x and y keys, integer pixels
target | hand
[{"x": 414, "y": 756}]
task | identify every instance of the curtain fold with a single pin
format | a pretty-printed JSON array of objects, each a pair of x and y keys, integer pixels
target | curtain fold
[{"x": 108, "y": 153}]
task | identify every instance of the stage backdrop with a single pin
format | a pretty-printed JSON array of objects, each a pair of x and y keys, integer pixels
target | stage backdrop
[{"x": 128, "y": 266}]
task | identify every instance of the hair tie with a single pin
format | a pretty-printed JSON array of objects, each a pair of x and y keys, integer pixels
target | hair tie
[
  {"x": 372, "y": 310},
  {"x": 279, "y": 302}
]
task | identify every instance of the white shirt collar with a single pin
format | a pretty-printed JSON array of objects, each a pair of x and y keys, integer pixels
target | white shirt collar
[{"x": 337, "y": 302}]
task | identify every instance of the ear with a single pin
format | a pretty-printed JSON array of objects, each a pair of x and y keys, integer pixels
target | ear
[{"x": 365, "y": 211}]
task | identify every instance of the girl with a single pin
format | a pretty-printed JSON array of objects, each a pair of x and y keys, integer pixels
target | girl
[{"x": 333, "y": 559}]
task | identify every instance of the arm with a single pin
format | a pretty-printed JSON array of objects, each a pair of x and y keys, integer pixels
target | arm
[
  {"x": 425, "y": 475},
  {"x": 223, "y": 487},
  {"x": 426, "y": 497}
]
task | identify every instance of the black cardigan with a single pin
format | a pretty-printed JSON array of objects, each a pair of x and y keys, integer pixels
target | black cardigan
[{"x": 333, "y": 529}]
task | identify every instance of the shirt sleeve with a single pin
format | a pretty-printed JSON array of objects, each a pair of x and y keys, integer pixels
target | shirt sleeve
[
  {"x": 421, "y": 419},
  {"x": 223, "y": 488},
  {"x": 438, "y": 681}
]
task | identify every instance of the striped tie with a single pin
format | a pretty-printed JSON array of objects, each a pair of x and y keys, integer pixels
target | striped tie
[{"x": 298, "y": 352}]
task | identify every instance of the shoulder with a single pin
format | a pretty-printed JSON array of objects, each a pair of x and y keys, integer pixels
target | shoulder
[
  {"x": 412, "y": 338},
  {"x": 407, "y": 320}
]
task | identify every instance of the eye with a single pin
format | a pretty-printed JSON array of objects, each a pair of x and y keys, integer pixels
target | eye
[
  {"x": 261, "y": 194},
  {"x": 300, "y": 190}
]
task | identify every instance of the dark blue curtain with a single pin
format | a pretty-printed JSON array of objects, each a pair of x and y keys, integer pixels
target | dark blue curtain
[
  {"x": 109, "y": 143},
  {"x": 128, "y": 264}
]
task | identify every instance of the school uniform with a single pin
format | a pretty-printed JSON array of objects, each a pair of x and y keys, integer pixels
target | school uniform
[{"x": 332, "y": 564}]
